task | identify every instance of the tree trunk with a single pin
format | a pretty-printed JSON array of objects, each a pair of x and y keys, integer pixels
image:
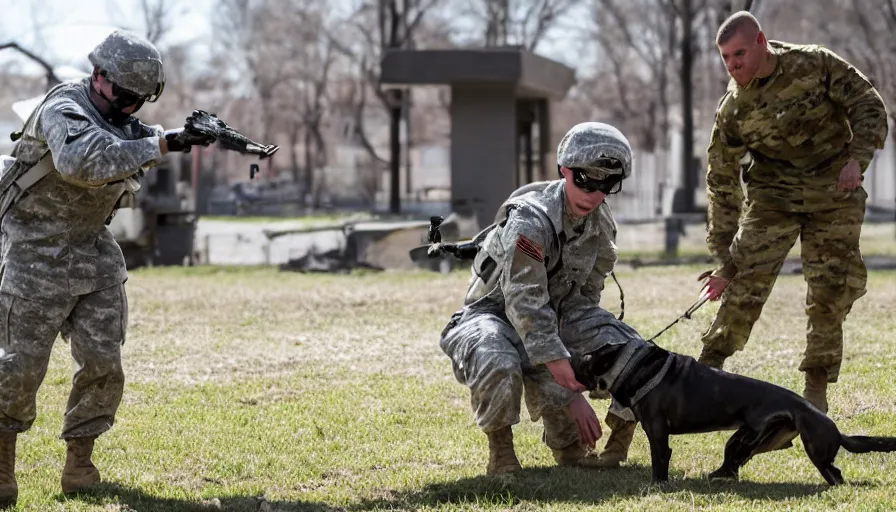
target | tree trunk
[
  {"x": 293, "y": 152},
  {"x": 689, "y": 182},
  {"x": 408, "y": 182},
  {"x": 395, "y": 152},
  {"x": 308, "y": 182}
]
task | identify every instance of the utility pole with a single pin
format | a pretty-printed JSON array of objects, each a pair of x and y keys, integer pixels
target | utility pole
[
  {"x": 391, "y": 37},
  {"x": 683, "y": 200},
  {"x": 686, "y": 202}
]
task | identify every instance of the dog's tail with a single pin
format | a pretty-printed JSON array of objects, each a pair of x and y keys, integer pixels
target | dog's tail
[{"x": 865, "y": 444}]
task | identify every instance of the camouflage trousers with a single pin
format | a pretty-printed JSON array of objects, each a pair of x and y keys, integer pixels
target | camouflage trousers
[
  {"x": 95, "y": 326},
  {"x": 832, "y": 264},
  {"x": 488, "y": 356}
]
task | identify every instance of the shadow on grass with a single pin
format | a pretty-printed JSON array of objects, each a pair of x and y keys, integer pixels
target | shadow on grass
[
  {"x": 578, "y": 486},
  {"x": 137, "y": 499},
  {"x": 538, "y": 484}
]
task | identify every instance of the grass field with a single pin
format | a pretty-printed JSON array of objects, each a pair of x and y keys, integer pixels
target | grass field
[{"x": 254, "y": 390}]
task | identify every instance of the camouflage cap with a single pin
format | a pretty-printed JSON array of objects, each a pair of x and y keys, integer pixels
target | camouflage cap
[
  {"x": 597, "y": 148},
  {"x": 131, "y": 62}
]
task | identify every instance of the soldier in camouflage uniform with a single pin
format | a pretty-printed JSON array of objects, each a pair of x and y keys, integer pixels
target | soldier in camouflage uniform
[
  {"x": 534, "y": 300},
  {"x": 809, "y": 124},
  {"x": 62, "y": 271}
]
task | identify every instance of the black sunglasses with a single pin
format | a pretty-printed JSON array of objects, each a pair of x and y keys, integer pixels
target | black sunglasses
[
  {"x": 127, "y": 97},
  {"x": 610, "y": 185}
]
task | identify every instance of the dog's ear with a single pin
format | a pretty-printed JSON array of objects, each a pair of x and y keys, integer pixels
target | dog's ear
[
  {"x": 581, "y": 367},
  {"x": 583, "y": 363}
]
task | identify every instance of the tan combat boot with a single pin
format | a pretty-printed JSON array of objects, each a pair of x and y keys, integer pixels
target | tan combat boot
[
  {"x": 501, "y": 456},
  {"x": 9, "y": 490},
  {"x": 79, "y": 473},
  {"x": 712, "y": 358},
  {"x": 817, "y": 388},
  {"x": 616, "y": 450}
]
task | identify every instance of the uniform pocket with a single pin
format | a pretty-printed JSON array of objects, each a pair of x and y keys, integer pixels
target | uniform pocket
[
  {"x": 6, "y": 302},
  {"x": 124, "y": 312}
]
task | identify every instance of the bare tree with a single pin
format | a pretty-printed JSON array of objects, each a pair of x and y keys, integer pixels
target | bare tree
[
  {"x": 315, "y": 58},
  {"x": 874, "y": 51},
  {"x": 49, "y": 73},
  {"x": 157, "y": 16},
  {"x": 523, "y": 23},
  {"x": 383, "y": 25},
  {"x": 861, "y": 31}
]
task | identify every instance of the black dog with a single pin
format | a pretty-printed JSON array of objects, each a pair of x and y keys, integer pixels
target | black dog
[{"x": 693, "y": 398}]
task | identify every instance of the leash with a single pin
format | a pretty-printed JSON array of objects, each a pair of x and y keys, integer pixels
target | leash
[
  {"x": 686, "y": 315},
  {"x": 468, "y": 251},
  {"x": 621, "y": 297}
]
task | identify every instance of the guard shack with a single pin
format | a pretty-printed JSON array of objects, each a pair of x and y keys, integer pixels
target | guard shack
[{"x": 500, "y": 117}]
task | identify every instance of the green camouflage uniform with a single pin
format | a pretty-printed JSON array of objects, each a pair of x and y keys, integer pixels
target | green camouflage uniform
[{"x": 799, "y": 127}]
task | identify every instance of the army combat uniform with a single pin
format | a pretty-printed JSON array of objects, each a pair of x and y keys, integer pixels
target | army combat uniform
[
  {"x": 78, "y": 158},
  {"x": 62, "y": 271},
  {"x": 799, "y": 126},
  {"x": 533, "y": 298}
]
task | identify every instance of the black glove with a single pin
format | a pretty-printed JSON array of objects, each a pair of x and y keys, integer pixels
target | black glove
[{"x": 180, "y": 139}]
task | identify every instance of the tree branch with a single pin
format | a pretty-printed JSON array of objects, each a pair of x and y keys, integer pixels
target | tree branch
[
  {"x": 623, "y": 26},
  {"x": 359, "y": 121},
  {"x": 52, "y": 79}
]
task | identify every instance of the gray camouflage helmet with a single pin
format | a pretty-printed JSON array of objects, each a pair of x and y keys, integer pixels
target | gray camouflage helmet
[
  {"x": 130, "y": 62},
  {"x": 597, "y": 148}
]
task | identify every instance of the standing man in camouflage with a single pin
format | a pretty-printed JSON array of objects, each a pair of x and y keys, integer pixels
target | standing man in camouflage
[
  {"x": 62, "y": 272},
  {"x": 534, "y": 300},
  {"x": 809, "y": 123}
]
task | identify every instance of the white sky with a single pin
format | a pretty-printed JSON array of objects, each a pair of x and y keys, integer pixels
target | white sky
[{"x": 64, "y": 31}]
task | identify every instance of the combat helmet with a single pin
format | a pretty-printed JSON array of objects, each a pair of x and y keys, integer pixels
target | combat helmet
[
  {"x": 131, "y": 63},
  {"x": 598, "y": 149}
]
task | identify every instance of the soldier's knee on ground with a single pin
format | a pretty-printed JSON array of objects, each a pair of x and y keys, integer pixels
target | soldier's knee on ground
[
  {"x": 560, "y": 431},
  {"x": 576, "y": 454}
]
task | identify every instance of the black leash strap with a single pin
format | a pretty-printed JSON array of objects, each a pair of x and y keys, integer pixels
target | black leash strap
[
  {"x": 621, "y": 297},
  {"x": 687, "y": 314}
]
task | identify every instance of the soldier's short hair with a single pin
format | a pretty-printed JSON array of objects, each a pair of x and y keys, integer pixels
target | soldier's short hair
[{"x": 735, "y": 24}]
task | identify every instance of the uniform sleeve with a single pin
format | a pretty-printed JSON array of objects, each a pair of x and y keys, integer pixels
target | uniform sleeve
[
  {"x": 607, "y": 255},
  {"x": 85, "y": 153},
  {"x": 864, "y": 107},
  {"x": 524, "y": 281},
  {"x": 724, "y": 192},
  {"x": 151, "y": 130}
]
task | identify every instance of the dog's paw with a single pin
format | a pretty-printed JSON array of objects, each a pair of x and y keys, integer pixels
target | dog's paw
[
  {"x": 660, "y": 485},
  {"x": 599, "y": 394},
  {"x": 723, "y": 474}
]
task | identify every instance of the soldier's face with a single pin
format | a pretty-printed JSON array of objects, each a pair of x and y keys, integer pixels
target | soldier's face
[
  {"x": 743, "y": 54},
  {"x": 580, "y": 202},
  {"x": 106, "y": 88}
]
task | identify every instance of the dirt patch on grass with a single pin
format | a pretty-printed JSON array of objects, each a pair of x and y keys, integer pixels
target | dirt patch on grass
[{"x": 193, "y": 327}]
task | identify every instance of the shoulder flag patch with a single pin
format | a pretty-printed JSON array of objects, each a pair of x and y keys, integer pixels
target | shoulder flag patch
[{"x": 530, "y": 249}]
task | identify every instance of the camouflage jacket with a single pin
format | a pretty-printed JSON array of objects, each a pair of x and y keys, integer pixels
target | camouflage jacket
[
  {"x": 798, "y": 127},
  {"x": 537, "y": 262},
  {"x": 54, "y": 239}
]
